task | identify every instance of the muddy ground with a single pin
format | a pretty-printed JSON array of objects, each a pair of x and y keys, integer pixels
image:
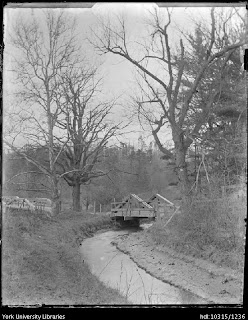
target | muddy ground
[{"x": 217, "y": 285}]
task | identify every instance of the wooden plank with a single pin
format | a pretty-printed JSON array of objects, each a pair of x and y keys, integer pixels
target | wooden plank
[
  {"x": 136, "y": 209},
  {"x": 117, "y": 214},
  {"x": 163, "y": 198},
  {"x": 143, "y": 213},
  {"x": 141, "y": 201},
  {"x": 133, "y": 213}
]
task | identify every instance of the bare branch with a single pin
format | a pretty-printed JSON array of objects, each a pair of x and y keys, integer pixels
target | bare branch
[
  {"x": 31, "y": 160},
  {"x": 22, "y": 173}
]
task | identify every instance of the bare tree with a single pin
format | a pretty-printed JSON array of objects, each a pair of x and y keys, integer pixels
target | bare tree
[
  {"x": 86, "y": 120},
  {"x": 42, "y": 52},
  {"x": 162, "y": 65}
]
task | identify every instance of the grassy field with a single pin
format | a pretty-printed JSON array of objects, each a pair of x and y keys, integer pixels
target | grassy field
[{"x": 41, "y": 263}]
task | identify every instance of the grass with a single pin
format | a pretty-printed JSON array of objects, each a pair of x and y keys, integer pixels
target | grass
[
  {"x": 41, "y": 263},
  {"x": 208, "y": 229}
]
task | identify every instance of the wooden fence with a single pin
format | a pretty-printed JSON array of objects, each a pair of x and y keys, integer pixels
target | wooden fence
[{"x": 34, "y": 205}]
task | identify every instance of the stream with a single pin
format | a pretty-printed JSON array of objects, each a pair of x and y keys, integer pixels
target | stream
[{"x": 117, "y": 270}]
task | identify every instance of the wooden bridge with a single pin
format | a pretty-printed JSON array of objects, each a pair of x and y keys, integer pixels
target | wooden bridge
[{"x": 135, "y": 208}]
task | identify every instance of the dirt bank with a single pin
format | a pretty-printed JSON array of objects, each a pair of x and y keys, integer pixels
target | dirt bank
[
  {"x": 41, "y": 263},
  {"x": 215, "y": 284}
]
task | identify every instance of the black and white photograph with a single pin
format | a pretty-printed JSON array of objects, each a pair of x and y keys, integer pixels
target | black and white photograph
[{"x": 124, "y": 155}]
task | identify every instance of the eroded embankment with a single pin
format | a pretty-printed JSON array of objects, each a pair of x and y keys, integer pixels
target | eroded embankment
[
  {"x": 206, "y": 280},
  {"x": 42, "y": 263}
]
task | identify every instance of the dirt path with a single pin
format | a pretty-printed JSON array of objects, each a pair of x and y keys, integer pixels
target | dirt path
[{"x": 210, "y": 282}]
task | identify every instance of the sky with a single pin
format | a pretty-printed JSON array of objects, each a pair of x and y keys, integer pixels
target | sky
[{"x": 119, "y": 78}]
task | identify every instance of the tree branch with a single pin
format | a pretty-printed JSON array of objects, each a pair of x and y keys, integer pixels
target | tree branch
[{"x": 37, "y": 164}]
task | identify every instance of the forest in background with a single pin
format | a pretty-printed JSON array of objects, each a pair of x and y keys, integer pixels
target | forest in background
[
  {"x": 142, "y": 171},
  {"x": 128, "y": 170},
  {"x": 62, "y": 113}
]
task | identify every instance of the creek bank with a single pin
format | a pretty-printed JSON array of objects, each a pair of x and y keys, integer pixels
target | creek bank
[
  {"x": 42, "y": 263},
  {"x": 117, "y": 270},
  {"x": 204, "y": 279}
]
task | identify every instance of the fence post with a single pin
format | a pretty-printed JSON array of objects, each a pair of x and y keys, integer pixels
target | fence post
[
  {"x": 94, "y": 207},
  {"x": 100, "y": 208}
]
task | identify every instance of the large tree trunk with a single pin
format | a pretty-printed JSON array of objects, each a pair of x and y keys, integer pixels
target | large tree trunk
[
  {"x": 76, "y": 196},
  {"x": 181, "y": 165},
  {"x": 56, "y": 201}
]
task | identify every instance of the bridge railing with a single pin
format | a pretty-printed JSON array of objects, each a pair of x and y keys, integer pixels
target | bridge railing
[
  {"x": 138, "y": 205},
  {"x": 117, "y": 205},
  {"x": 132, "y": 206}
]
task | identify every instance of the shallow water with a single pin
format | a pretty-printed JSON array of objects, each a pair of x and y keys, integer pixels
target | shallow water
[{"x": 118, "y": 271}]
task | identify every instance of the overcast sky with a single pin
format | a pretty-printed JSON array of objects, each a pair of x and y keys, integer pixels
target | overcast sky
[{"x": 118, "y": 74}]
